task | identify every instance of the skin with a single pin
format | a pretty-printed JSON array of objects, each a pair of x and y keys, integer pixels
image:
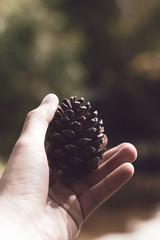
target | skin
[{"x": 34, "y": 206}]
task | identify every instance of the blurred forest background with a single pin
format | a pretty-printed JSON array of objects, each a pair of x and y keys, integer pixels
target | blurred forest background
[{"x": 106, "y": 51}]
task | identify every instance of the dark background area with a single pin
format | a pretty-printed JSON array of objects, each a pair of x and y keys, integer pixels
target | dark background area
[{"x": 106, "y": 51}]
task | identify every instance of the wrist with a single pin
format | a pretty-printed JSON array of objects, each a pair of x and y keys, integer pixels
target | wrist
[
  {"x": 12, "y": 230},
  {"x": 14, "y": 224}
]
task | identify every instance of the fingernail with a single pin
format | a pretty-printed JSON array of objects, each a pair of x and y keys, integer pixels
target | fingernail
[{"x": 50, "y": 98}]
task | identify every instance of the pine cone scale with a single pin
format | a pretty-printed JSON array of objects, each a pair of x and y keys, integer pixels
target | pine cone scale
[{"x": 74, "y": 139}]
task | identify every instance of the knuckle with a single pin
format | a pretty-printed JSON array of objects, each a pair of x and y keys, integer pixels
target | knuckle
[
  {"x": 22, "y": 143},
  {"x": 31, "y": 114},
  {"x": 37, "y": 113}
]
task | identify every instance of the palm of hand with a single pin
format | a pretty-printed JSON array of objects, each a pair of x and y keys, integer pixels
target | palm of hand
[
  {"x": 53, "y": 211},
  {"x": 60, "y": 211},
  {"x": 70, "y": 206}
]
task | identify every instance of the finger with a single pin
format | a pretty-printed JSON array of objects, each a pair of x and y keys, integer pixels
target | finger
[
  {"x": 123, "y": 153},
  {"x": 95, "y": 196},
  {"x": 127, "y": 153},
  {"x": 37, "y": 120},
  {"x": 108, "y": 154},
  {"x": 27, "y": 168}
]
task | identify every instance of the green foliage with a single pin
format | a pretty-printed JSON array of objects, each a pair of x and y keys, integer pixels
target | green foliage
[
  {"x": 40, "y": 52},
  {"x": 106, "y": 51}
]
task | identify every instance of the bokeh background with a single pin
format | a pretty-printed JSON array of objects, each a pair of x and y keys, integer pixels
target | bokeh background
[{"x": 109, "y": 53}]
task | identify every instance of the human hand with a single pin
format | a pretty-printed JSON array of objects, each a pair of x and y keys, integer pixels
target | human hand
[{"x": 31, "y": 207}]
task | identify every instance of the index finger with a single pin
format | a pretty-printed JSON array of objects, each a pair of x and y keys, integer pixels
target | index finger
[{"x": 99, "y": 193}]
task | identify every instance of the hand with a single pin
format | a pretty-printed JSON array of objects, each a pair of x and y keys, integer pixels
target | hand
[{"x": 33, "y": 208}]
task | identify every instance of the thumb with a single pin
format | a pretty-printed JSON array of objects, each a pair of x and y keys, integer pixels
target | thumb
[
  {"x": 23, "y": 176},
  {"x": 37, "y": 120}
]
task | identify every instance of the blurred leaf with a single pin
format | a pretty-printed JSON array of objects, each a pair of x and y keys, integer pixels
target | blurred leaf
[{"x": 105, "y": 51}]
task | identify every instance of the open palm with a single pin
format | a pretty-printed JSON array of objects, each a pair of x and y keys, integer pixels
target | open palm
[{"x": 50, "y": 209}]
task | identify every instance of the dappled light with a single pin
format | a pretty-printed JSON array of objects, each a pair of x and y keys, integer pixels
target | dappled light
[{"x": 107, "y": 52}]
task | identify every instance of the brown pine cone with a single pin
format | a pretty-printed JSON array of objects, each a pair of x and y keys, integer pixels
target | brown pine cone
[{"x": 74, "y": 139}]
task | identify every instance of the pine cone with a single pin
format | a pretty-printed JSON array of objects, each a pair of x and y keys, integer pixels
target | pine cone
[{"x": 74, "y": 138}]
